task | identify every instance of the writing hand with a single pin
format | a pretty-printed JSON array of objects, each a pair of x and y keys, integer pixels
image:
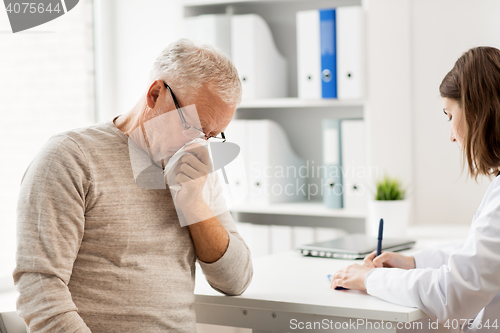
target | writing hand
[
  {"x": 351, "y": 277},
  {"x": 389, "y": 259}
]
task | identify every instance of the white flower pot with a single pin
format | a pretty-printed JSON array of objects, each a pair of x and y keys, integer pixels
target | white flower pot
[{"x": 396, "y": 215}]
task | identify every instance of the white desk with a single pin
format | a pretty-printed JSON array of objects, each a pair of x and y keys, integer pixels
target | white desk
[
  {"x": 289, "y": 286},
  {"x": 285, "y": 287}
]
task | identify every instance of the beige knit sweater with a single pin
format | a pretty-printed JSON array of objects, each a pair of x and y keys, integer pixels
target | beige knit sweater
[{"x": 97, "y": 253}]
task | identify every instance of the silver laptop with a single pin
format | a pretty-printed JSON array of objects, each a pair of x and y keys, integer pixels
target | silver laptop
[{"x": 353, "y": 246}]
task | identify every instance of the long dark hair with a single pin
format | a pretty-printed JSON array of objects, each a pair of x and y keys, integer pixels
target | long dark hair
[{"x": 474, "y": 82}]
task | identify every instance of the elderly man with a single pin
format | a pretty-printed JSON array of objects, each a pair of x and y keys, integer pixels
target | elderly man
[{"x": 97, "y": 252}]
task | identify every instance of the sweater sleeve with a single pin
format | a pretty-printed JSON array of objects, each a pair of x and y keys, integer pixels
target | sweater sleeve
[
  {"x": 50, "y": 226},
  {"x": 230, "y": 274},
  {"x": 460, "y": 288}
]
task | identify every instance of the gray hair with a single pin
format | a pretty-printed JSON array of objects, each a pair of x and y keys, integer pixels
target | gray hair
[{"x": 189, "y": 66}]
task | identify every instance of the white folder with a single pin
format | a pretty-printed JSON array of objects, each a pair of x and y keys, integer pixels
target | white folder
[
  {"x": 212, "y": 29},
  {"x": 262, "y": 69},
  {"x": 259, "y": 163},
  {"x": 281, "y": 238},
  {"x": 260, "y": 240},
  {"x": 257, "y": 237},
  {"x": 308, "y": 54},
  {"x": 274, "y": 175},
  {"x": 272, "y": 167},
  {"x": 236, "y": 171},
  {"x": 254, "y": 151},
  {"x": 302, "y": 236},
  {"x": 353, "y": 165},
  {"x": 350, "y": 74}
]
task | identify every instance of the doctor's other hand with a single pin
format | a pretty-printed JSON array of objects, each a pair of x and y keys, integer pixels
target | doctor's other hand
[
  {"x": 389, "y": 259},
  {"x": 351, "y": 277}
]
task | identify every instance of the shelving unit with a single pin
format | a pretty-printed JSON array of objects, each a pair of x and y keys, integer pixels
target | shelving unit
[
  {"x": 292, "y": 102},
  {"x": 387, "y": 72},
  {"x": 224, "y": 2},
  {"x": 308, "y": 208}
]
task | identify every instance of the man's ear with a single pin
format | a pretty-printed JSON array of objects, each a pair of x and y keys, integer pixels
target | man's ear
[{"x": 154, "y": 93}]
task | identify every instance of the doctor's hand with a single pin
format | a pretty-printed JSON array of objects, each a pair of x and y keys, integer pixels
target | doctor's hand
[
  {"x": 351, "y": 277},
  {"x": 191, "y": 173},
  {"x": 389, "y": 259}
]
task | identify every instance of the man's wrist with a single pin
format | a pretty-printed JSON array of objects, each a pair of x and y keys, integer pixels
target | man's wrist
[{"x": 197, "y": 212}]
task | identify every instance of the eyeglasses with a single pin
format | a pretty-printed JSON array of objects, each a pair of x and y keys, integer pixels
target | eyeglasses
[{"x": 191, "y": 131}]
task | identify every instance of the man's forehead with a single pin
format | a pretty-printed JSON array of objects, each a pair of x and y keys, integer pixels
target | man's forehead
[
  {"x": 219, "y": 113},
  {"x": 212, "y": 111},
  {"x": 215, "y": 119}
]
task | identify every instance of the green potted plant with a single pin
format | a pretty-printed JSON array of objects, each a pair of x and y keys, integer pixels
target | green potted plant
[{"x": 391, "y": 204}]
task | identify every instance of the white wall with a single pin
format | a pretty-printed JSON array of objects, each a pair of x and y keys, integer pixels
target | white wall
[
  {"x": 133, "y": 33},
  {"x": 442, "y": 30},
  {"x": 389, "y": 94},
  {"x": 46, "y": 87}
]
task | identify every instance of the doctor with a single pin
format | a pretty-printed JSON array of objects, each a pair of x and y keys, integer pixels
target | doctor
[{"x": 458, "y": 283}]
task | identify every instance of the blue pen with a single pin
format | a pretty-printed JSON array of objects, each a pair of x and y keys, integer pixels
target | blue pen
[
  {"x": 380, "y": 236},
  {"x": 379, "y": 249}
]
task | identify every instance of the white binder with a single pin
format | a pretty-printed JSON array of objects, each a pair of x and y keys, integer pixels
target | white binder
[
  {"x": 308, "y": 54},
  {"x": 302, "y": 236},
  {"x": 262, "y": 69},
  {"x": 353, "y": 165},
  {"x": 236, "y": 171},
  {"x": 350, "y": 75},
  {"x": 259, "y": 185},
  {"x": 332, "y": 189},
  {"x": 281, "y": 238},
  {"x": 212, "y": 29},
  {"x": 272, "y": 167},
  {"x": 257, "y": 237}
]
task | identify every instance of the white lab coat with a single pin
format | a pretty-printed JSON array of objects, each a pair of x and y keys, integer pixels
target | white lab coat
[{"x": 453, "y": 283}]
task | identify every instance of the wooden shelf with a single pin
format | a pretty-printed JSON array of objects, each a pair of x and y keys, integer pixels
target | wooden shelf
[
  {"x": 307, "y": 208},
  {"x": 276, "y": 103}
]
